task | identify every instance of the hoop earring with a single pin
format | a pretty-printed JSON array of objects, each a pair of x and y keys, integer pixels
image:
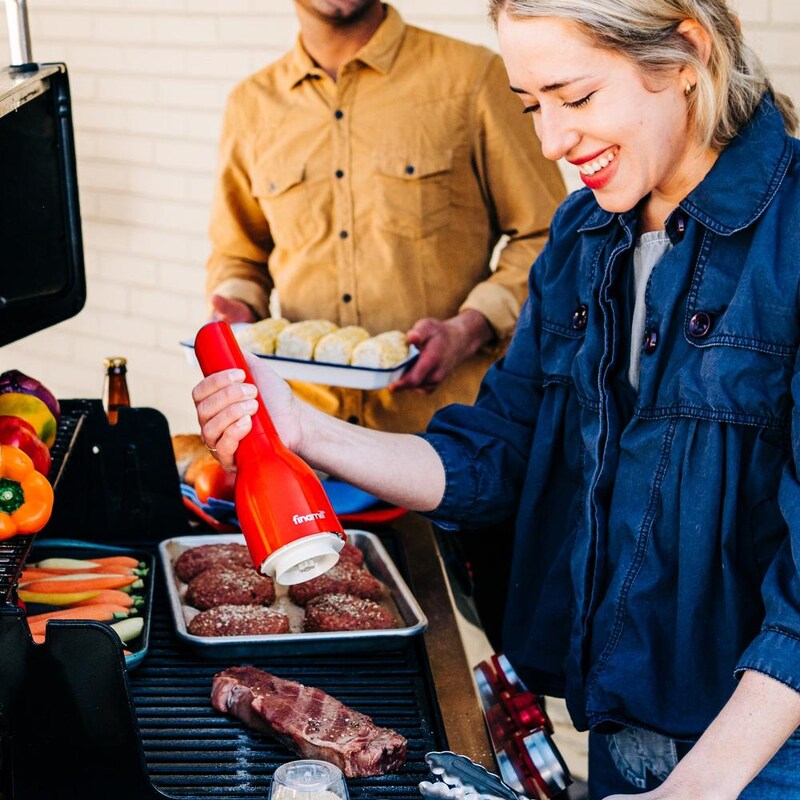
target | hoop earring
[{"x": 688, "y": 89}]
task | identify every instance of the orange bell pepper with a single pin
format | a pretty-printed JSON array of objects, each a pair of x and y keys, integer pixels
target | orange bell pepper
[{"x": 26, "y": 496}]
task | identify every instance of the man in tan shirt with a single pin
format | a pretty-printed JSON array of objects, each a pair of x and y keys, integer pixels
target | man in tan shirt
[{"x": 367, "y": 177}]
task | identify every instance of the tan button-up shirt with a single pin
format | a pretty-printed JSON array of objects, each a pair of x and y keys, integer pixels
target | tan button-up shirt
[{"x": 377, "y": 200}]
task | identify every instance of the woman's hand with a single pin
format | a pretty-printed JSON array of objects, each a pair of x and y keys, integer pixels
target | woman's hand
[{"x": 225, "y": 405}]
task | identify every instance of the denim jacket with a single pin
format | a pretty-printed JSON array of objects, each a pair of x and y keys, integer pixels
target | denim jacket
[{"x": 657, "y": 536}]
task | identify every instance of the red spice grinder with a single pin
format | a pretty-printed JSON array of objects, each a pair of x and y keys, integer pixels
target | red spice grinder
[{"x": 288, "y": 522}]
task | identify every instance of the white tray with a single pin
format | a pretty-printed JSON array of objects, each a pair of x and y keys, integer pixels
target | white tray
[
  {"x": 398, "y": 599},
  {"x": 348, "y": 377}
]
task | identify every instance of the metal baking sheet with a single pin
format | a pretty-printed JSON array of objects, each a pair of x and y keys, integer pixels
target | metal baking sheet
[
  {"x": 398, "y": 598},
  {"x": 344, "y": 375}
]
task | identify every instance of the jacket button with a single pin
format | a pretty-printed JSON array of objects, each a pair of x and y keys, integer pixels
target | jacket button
[
  {"x": 650, "y": 342},
  {"x": 580, "y": 316},
  {"x": 700, "y": 325}
]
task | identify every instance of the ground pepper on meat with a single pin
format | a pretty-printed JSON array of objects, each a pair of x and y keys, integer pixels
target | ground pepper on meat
[
  {"x": 345, "y": 612},
  {"x": 195, "y": 560},
  {"x": 230, "y": 620},
  {"x": 222, "y": 586},
  {"x": 343, "y": 578}
]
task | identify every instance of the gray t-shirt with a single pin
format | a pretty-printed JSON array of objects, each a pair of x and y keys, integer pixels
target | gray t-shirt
[{"x": 650, "y": 247}]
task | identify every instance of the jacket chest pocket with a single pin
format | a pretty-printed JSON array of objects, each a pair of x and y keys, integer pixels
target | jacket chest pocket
[
  {"x": 413, "y": 192},
  {"x": 282, "y": 193},
  {"x": 560, "y": 347}
]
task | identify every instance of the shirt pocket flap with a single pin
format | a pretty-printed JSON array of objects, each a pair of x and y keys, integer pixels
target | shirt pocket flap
[
  {"x": 414, "y": 165},
  {"x": 276, "y": 180}
]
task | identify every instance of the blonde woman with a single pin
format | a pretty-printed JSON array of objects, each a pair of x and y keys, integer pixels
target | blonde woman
[{"x": 644, "y": 421}]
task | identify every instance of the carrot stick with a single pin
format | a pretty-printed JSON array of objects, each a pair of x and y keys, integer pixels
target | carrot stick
[
  {"x": 120, "y": 561},
  {"x": 99, "y": 613},
  {"x": 114, "y": 596},
  {"x": 119, "y": 569},
  {"x": 58, "y": 598},
  {"x": 85, "y": 582},
  {"x": 29, "y": 574},
  {"x": 105, "y": 569}
]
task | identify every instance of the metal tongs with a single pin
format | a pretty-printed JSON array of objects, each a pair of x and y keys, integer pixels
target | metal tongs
[
  {"x": 457, "y": 777},
  {"x": 520, "y": 730}
]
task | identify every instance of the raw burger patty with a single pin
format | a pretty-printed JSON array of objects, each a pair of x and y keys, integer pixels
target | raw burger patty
[
  {"x": 231, "y": 620},
  {"x": 221, "y": 586},
  {"x": 350, "y": 554},
  {"x": 195, "y": 560},
  {"x": 343, "y": 578},
  {"x": 344, "y": 612}
]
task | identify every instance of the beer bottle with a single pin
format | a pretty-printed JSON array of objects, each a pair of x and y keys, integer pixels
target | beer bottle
[{"x": 115, "y": 387}]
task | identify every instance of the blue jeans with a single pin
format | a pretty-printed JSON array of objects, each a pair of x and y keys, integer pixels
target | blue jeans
[{"x": 634, "y": 761}]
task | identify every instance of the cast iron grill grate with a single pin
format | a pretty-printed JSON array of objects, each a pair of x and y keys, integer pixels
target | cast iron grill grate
[{"x": 193, "y": 751}]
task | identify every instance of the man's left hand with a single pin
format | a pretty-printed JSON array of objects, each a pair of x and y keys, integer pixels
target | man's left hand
[{"x": 443, "y": 344}]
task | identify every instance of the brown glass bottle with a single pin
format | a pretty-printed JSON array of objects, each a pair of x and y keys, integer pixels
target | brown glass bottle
[{"x": 115, "y": 387}]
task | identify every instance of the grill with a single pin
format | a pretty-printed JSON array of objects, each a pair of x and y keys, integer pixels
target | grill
[
  {"x": 192, "y": 750},
  {"x": 75, "y": 724}
]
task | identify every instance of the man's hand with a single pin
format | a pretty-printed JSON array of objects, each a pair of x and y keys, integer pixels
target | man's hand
[
  {"x": 231, "y": 310},
  {"x": 443, "y": 345}
]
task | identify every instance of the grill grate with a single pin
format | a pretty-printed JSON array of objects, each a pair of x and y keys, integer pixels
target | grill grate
[
  {"x": 193, "y": 751},
  {"x": 14, "y": 551}
]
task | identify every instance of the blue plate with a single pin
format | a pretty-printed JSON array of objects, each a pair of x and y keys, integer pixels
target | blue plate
[{"x": 345, "y": 499}]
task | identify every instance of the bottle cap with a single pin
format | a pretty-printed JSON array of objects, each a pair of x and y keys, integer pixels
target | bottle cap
[
  {"x": 303, "y": 559},
  {"x": 115, "y": 361}
]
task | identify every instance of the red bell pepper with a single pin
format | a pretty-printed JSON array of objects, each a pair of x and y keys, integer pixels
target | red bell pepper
[{"x": 19, "y": 433}]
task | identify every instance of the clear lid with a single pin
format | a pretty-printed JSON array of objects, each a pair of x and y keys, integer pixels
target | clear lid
[{"x": 308, "y": 779}]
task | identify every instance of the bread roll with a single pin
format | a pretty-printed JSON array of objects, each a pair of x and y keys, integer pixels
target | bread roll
[
  {"x": 299, "y": 339},
  {"x": 337, "y": 347},
  {"x": 383, "y": 351},
  {"x": 261, "y": 336},
  {"x": 187, "y": 447}
]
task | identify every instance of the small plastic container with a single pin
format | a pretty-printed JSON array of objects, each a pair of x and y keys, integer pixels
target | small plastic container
[{"x": 308, "y": 779}]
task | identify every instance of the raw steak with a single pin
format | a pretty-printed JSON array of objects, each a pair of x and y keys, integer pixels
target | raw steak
[{"x": 308, "y": 721}]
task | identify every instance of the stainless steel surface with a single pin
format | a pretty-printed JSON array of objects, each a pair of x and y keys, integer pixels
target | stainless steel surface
[
  {"x": 411, "y": 616},
  {"x": 17, "y": 88},
  {"x": 19, "y": 35}
]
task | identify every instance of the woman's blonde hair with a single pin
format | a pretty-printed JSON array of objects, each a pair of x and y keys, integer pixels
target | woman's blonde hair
[{"x": 729, "y": 87}]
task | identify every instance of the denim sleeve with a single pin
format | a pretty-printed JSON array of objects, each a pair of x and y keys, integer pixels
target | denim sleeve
[
  {"x": 776, "y": 650},
  {"x": 485, "y": 447}
]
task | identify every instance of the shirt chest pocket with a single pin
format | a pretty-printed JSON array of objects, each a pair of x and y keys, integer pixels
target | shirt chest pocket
[
  {"x": 282, "y": 193},
  {"x": 413, "y": 192}
]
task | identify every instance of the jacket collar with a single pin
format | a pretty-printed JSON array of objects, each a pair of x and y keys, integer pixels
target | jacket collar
[
  {"x": 379, "y": 52},
  {"x": 746, "y": 176},
  {"x": 742, "y": 182}
]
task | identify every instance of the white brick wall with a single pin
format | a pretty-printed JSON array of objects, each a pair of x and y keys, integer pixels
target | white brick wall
[{"x": 149, "y": 78}]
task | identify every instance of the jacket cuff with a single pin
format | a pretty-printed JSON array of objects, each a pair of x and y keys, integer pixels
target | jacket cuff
[
  {"x": 776, "y": 653},
  {"x": 246, "y": 292},
  {"x": 497, "y": 304}
]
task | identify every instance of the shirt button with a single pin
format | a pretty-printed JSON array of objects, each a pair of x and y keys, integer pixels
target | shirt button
[
  {"x": 700, "y": 325},
  {"x": 650, "y": 342},
  {"x": 409, "y": 170},
  {"x": 580, "y": 316},
  {"x": 339, "y": 173},
  {"x": 338, "y": 113},
  {"x": 346, "y": 298},
  {"x": 353, "y": 419},
  {"x": 343, "y": 234}
]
